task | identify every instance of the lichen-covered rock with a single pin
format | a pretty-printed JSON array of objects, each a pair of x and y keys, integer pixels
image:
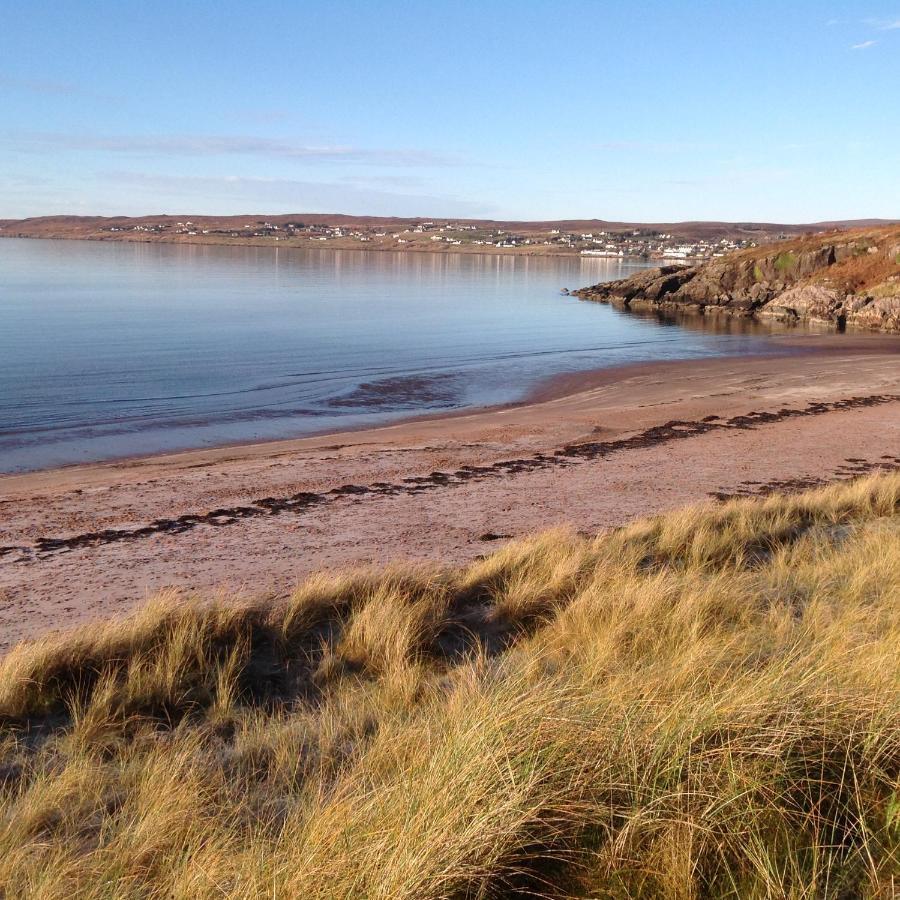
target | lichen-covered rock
[
  {"x": 877, "y": 314},
  {"x": 806, "y": 303}
]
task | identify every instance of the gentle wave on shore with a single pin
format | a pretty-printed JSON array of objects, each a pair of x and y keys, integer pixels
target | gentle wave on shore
[{"x": 113, "y": 350}]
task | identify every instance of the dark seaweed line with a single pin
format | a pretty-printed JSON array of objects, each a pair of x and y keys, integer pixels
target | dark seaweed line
[
  {"x": 567, "y": 455},
  {"x": 852, "y": 468}
]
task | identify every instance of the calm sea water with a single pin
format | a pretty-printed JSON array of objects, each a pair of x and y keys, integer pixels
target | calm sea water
[{"x": 111, "y": 350}]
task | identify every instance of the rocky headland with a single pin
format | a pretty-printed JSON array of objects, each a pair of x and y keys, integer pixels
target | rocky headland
[{"x": 839, "y": 280}]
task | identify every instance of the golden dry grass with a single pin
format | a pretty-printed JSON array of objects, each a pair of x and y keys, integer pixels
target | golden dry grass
[{"x": 705, "y": 704}]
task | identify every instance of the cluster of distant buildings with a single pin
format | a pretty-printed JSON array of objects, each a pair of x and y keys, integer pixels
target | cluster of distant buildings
[
  {"x": 643, "y": 243},
  {"x": 658, "y": 246}
]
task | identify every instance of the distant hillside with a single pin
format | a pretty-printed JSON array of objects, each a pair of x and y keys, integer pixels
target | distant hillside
[
  {"x": 840, "y": 280},
  {"x": 98, "y": 226}
]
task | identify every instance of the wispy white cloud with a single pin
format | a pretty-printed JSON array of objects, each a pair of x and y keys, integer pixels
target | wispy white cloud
[
  {"x": 37, "y": 85},
  {"x": 383, "y": 181},
  {"x": 225, "y": 145},
  {"x": 52, "y": 88},
  {"x": 241, "y": 192},
  {"x": 264, "y": 116},
  {"x": 24, "y": 180},
  {"x": 675, "y": 147},
  {"x": 890, "y": 24},
  {"x": 877, "y": 25},
  {"x": 738, "y": 172},
  {"x": 626, "y": 146}
]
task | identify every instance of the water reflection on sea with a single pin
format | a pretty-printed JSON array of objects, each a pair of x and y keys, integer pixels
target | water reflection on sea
[{"x": 116, "y": 349}]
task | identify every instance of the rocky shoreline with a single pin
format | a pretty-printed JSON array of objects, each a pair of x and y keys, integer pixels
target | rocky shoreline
[{"x": 849, "y": 280}]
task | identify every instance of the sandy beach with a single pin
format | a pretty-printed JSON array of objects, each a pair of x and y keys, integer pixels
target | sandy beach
[{"x": 588, "y": 452}]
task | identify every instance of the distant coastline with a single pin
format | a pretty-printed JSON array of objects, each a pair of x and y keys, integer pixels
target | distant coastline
[
  {"x": 208, "y": 241},
  {"x": 667, "y": 242}
]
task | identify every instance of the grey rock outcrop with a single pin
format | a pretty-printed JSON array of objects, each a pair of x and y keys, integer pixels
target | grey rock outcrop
[{"x": 813, "y": 282}]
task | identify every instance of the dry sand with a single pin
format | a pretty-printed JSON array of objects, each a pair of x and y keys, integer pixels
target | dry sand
[{"x": 590, "y": 452}]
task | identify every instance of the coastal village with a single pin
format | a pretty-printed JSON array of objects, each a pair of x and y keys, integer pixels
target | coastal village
[
  {"x": 645, "y": 243},
  {"x": 685, "y": 242}
]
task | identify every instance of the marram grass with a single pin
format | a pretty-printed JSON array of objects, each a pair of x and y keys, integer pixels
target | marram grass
[{"x": 705, "y": 704}]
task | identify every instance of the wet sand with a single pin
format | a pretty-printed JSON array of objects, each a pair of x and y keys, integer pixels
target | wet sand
[{"x": 589, "y": 451}]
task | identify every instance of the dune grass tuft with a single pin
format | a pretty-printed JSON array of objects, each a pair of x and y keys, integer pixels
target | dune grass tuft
[{"x": 703, "y": 704}]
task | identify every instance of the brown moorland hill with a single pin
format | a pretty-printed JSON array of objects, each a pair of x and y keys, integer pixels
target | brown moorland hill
[{"x": 97, "y": 227}]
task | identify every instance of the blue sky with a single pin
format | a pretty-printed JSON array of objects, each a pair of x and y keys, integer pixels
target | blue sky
[{"x": 643, "y": 111}]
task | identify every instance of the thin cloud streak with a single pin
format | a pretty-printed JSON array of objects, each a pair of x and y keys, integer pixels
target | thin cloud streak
[
  {"x": 863, "y": 46},
  {"x": 884, "y": 24},
  {"x": 651, "y": 146},
  {"x": 37, "y": 86},
  {"x": 242, "y": 191},
  {"x": 218, "y": 145}
]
